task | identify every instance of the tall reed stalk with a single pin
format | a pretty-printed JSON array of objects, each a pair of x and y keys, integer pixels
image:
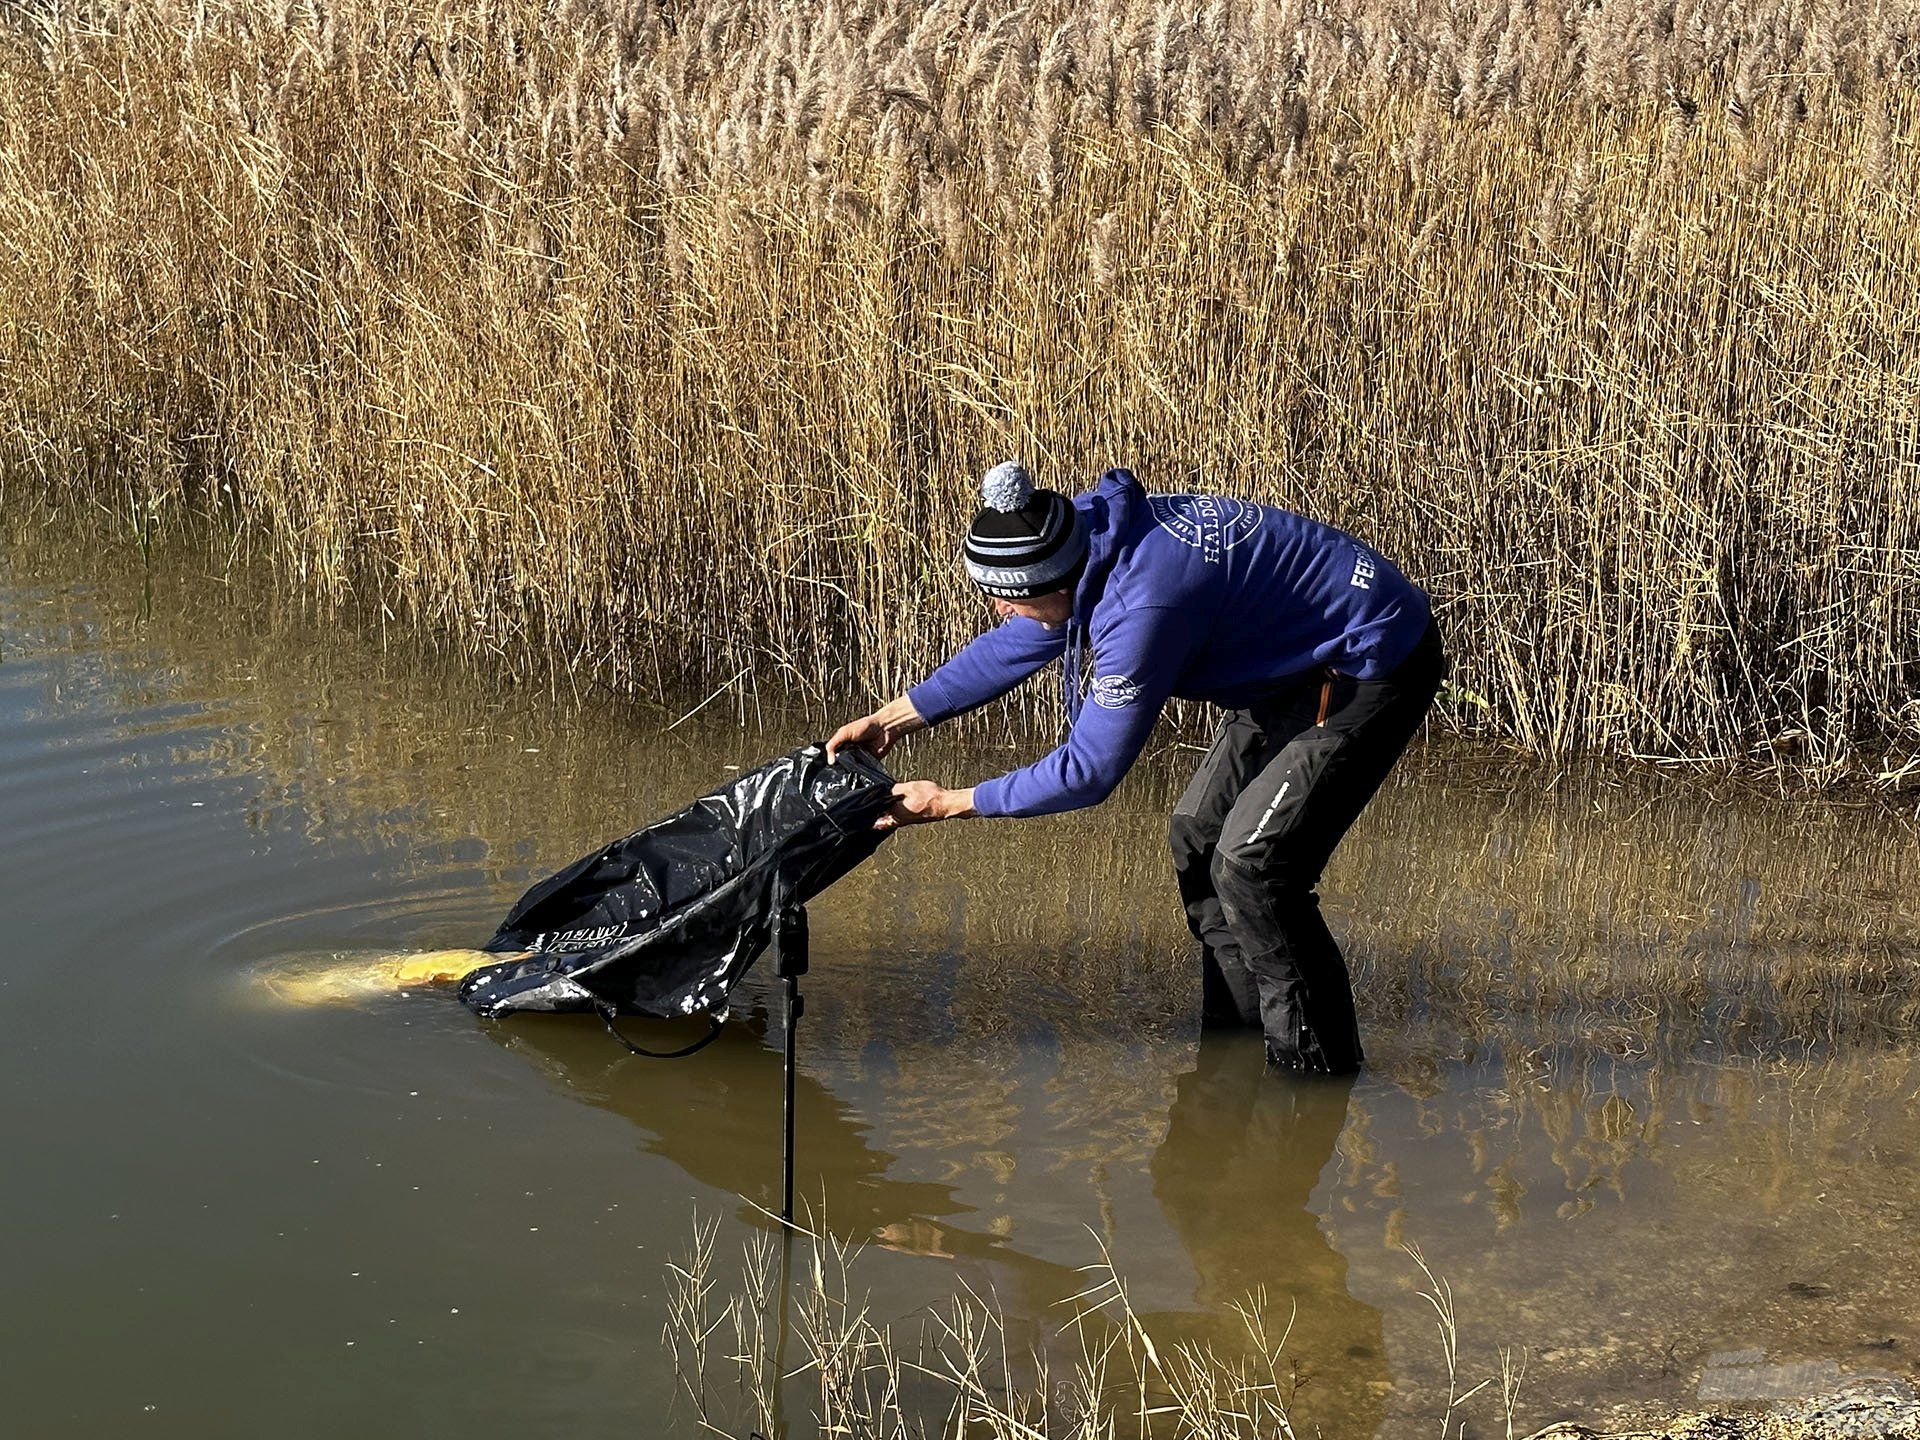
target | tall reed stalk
[{"x": 665, "y": 339}]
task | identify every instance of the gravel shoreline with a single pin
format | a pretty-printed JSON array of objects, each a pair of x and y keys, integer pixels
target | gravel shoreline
[{"x": 1867, "y": 1409}]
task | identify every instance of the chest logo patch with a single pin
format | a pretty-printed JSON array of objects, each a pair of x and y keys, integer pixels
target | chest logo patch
[
  {"x": 1114, "y": 692},
  {"x": 1211, "y": 524}
]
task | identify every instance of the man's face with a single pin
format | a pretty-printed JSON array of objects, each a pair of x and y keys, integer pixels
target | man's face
[{"x": 1052, "y": 611}]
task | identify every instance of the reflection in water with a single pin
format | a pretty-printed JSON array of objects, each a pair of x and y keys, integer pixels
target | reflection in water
[
  {"x": 1623, "y": 1220},
  {"x": 1233, "y": 1177},
  {"x": 717, "y": 1117},
  {"x": 1236, "y": 1176},
  {"x": 1626, "y": 1219}
]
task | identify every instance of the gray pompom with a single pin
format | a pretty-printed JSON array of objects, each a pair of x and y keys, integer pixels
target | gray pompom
[{"x": 1008, "y": 486}]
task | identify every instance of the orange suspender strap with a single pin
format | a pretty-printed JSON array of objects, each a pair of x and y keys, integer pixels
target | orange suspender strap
[{"x": 1326, "y": 698}]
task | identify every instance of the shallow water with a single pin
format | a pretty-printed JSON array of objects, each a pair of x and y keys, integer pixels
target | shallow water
[{"x": 1642, "y": 1090}]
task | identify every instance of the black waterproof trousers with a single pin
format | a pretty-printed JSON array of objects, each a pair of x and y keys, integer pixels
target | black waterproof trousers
[{"x": 1280, "y": 786}]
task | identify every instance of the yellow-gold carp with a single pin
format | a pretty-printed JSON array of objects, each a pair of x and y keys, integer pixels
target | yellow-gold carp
[{"x": 346, "y": 979}]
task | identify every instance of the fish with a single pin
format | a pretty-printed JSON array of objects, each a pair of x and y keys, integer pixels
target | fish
[{"x": 348, "y": 979}]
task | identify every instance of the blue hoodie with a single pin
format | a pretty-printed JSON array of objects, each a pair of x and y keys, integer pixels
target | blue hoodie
[{"x": 1198, "y": 596}]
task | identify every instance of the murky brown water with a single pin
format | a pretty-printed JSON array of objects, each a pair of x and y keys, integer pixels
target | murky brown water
[{"x": 1643, "y": 1086}]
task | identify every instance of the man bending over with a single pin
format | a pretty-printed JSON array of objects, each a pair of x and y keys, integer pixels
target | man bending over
[{"x": 1324, "y": 656}]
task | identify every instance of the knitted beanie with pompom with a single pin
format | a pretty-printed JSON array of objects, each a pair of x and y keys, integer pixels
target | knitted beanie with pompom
[{"x": 1025, "y": 542}]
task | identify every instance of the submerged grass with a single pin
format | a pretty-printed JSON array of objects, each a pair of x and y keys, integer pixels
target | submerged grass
[{"x": 662, "y": 339}]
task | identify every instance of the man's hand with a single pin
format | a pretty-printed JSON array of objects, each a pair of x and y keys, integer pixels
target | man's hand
[
  {"x": 876, "y": 733},
  {"x": 867, "y": 733},
  {"x": 920, "y": 802}
]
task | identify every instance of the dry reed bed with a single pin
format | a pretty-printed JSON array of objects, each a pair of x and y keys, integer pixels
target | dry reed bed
[{"x": 663, "y": 339}]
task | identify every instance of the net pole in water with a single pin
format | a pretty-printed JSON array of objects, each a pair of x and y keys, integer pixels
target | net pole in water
[{"x": 790, "y": 950}]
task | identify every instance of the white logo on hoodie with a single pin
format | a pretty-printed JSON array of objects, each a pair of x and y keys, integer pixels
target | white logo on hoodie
[
  {"x": 1211, "y": 524},
  {"x": 1114, "y": 692}
]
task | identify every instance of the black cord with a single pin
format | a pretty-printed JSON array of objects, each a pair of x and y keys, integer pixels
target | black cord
[{"x": 607, "y": 1014}]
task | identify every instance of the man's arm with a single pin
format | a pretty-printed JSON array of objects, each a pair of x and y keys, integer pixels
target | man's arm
[
  {"x": 1136, "y": 662},
  {"x": 985, "y": 669}
]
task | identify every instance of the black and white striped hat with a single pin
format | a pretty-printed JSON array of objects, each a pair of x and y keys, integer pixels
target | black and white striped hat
[{"x": 1026, "y": 542}]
